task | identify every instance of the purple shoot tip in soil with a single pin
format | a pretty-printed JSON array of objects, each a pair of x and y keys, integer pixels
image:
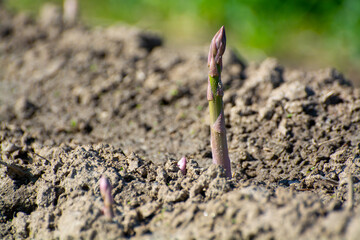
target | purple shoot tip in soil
[
  {"x": 215, "y": 94},
  {"x": 105, "y": 190},
  {"x": 182, "y": 165}
]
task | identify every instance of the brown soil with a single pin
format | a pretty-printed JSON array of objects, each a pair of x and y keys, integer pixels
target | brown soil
[{"x": 77, "y": 103}]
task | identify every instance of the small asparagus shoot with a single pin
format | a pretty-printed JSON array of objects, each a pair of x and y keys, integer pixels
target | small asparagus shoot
[
  {"x": 105, "y": 190},
  {"x": 182, "y": 165},
  {"x": 71, "y": 11},
  {"x": 215, "y": 94}
]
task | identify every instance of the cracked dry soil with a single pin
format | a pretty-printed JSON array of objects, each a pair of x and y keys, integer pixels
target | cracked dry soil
[{"x": 76, "y": 103}]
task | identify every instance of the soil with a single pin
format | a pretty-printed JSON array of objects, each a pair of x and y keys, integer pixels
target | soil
[{"x": 77, "y": 103}]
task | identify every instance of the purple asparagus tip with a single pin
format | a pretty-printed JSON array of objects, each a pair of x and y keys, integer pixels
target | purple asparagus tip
[
  {"x": 182, "y": 165},
  {"x": 105, "y": 190},
  {"x": 217, "y": 49}
]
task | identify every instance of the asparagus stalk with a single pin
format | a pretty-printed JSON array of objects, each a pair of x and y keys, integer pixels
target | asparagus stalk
[
  {"x": 105, "y": 190},
  {"x": 216, "y": 106}
]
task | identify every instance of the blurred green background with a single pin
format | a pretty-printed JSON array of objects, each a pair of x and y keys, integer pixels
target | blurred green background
[{"x": 308, "y": 34}]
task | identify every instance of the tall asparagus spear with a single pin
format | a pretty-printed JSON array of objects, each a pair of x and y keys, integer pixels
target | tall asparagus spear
[{"x": 216, "y": 106}]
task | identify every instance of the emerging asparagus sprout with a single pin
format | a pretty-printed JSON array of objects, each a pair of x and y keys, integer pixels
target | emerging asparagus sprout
[
  {"x": 105, "y": 190},
  {"x": 71, "y": 11},
  {"x": 216, "y": 106},
  {"x": 182, "y": 165}
]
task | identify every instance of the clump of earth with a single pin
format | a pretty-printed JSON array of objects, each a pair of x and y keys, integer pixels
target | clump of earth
[{"x": 77, "y": 103}]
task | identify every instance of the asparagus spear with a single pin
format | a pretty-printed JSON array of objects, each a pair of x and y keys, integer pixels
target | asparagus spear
[
  {"x": 105, "y": 190},
  {"x": 216, "y": 106}
]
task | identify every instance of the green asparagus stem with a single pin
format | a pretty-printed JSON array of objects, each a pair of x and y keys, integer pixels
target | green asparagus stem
[{"x": 216, "y": 106}]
